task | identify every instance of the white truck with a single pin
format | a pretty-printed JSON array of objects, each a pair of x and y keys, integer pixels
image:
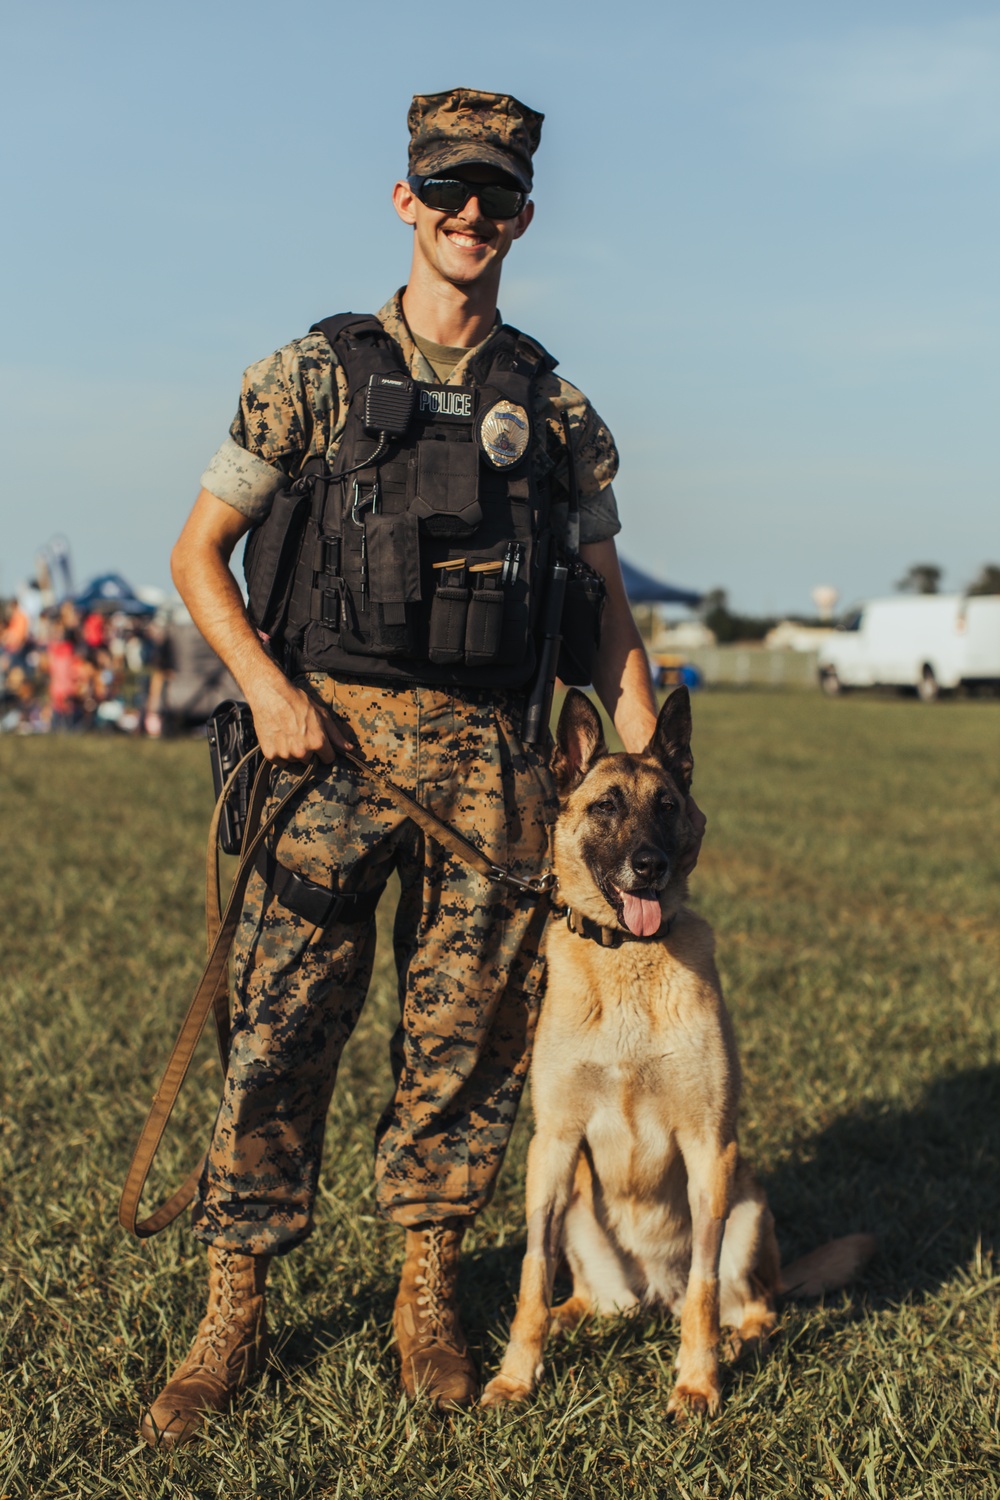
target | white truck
[{"x": 932, "y": 643}]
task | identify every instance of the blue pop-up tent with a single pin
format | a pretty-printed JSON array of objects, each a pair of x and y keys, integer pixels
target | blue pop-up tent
[
  {"x": 641, "y": 589},
  {"x": 108, "y": 593}
]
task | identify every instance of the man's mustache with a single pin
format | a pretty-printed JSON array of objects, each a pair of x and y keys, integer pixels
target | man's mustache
[{"x": 482, "y": 227}]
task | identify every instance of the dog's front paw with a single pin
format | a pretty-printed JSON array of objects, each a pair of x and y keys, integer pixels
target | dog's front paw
[
  {"x": 694, "y": 1399},
  {"x": 503, "y": 1391}
]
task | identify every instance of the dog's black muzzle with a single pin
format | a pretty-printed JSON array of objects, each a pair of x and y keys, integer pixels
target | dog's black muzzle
[{"x": 651, "y": 867}]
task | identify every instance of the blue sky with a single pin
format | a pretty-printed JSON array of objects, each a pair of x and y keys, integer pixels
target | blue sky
[{"x": 766, "y": 245}]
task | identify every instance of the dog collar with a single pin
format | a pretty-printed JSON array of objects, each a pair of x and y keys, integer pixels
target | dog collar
[{"x": 610, "y": 937}]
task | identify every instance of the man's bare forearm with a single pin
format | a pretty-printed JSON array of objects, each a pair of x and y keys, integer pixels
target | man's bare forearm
[
  {"x": 621, "y": 676},
  {"x": 207, "y": 586}
]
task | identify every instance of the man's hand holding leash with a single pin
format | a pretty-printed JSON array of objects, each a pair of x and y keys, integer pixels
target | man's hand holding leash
[{"x": 291, "y": 726}]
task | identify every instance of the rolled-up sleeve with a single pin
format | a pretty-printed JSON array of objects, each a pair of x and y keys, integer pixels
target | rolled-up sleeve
[
  {"x": 243, "y": 480},
  {"x": 595, "y": 458},
  {"x": 289, "y": 411},
  {"x": 596, "y": 465},
  {"x": 599, "y": 519}
]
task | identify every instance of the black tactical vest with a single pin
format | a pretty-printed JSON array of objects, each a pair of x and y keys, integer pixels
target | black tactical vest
[{"x": 422, "y": 555}]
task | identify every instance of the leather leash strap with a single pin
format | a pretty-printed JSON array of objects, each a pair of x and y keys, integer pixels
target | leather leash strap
[
  {"x": 212, "y": 993},
  {"x": 443, "y": 833}
]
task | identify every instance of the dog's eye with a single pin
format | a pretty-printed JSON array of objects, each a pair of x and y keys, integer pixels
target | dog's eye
[
  {"x": 666, "y": 802},
  {"x": 606, "y": 806}
]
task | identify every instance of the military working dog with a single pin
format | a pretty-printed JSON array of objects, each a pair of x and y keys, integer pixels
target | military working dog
[{"x": 634, "y": 1171}]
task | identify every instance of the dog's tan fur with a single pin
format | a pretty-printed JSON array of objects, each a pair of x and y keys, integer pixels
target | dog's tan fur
[{"x": 634, "y": 1172}]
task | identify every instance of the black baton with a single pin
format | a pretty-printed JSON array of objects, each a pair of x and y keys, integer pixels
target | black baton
[{"x": 539, "y": 705}]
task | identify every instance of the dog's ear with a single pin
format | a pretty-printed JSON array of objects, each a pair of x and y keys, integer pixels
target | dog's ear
[
  {"x": 579, "y": 741},
  {"x": 671, "y": 742}
]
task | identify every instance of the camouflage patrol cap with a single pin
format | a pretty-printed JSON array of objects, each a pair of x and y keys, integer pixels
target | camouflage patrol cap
[{"x": 464, "y": 126}]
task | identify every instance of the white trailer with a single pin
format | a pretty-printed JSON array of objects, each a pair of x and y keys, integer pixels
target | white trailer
[{"x": 932, "y": 643}]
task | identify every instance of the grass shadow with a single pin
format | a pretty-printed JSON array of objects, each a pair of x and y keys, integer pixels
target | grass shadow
[
  {"x": 925, "y": 1179},
  {"x": 301, "y": 1338}
]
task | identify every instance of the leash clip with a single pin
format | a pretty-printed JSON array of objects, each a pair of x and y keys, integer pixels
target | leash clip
[{"x": 540, "y": 887}]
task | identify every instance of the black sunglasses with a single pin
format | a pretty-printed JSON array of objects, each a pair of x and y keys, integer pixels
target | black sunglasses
[{"x": 449, "y": 195}]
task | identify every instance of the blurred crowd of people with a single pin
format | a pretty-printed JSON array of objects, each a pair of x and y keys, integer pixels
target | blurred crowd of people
[{"x": 61, "y": 669}]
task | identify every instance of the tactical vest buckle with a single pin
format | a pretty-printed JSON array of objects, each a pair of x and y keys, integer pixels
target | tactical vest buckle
[
  {"x": 329, "y": 608},
  {"x": 329, "y": 555}
]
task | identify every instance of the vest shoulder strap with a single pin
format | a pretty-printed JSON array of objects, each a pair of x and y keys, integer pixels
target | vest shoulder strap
[
  {"x": 361, "y": 323},
  {"x": 509, "y": 364},
  {"x": 362, "y": 346},
  {"x": 511, "y": 361},
  {"x": 528, "y": 356}
]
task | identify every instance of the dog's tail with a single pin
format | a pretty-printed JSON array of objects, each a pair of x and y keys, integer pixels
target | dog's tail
[{"x": 828, "y": 1268}]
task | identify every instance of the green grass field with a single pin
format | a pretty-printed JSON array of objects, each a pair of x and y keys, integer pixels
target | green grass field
[{"x": 851, "y": 874}]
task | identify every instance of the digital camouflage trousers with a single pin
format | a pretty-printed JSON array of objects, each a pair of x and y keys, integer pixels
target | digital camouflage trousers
[{"x": 467, "y": 959}]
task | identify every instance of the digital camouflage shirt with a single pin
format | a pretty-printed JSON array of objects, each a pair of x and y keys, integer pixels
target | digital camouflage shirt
[{"x": 293, "y": 407}]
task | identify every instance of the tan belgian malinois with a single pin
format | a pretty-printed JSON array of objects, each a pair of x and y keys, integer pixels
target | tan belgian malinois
[{"x": 634, "y": 1171}]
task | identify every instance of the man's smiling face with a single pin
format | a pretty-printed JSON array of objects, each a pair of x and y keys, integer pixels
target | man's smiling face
[{"x": 461, "y": 247}]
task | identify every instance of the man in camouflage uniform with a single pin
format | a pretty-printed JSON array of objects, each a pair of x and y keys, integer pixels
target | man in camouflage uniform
[{"x": 467, "y": 950}]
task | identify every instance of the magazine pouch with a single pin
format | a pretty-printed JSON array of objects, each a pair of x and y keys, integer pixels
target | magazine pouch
[
  {"x": 484, "y": 624},
  {"x": 449, "y": 609}
]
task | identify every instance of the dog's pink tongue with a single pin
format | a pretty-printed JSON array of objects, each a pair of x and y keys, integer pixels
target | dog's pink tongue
[{"x": 641, "y": 914}]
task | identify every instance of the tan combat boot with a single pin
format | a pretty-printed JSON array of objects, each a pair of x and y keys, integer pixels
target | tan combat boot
[
  {"x": 229, "y": 1348},
  {"x": 429, "y": 1337}
]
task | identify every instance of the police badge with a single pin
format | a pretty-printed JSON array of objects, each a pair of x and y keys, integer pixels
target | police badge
[{"x": 504, "y": 434}]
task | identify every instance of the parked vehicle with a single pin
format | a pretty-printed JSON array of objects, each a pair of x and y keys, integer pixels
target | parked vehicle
[{"x": 932, "y": 643}]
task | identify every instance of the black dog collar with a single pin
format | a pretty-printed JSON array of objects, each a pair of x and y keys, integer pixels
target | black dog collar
[{"x": 610, "y": 937}]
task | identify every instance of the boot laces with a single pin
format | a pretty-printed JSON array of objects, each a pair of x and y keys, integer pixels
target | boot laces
[
  {"x": 216, "y": 1328},
  {"x": 437, "y": 1316}
]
